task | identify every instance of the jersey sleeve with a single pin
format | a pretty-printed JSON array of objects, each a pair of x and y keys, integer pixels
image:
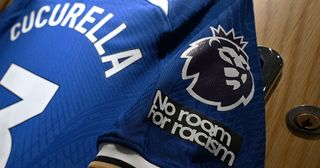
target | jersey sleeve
[{"x": 206, "y": 106}]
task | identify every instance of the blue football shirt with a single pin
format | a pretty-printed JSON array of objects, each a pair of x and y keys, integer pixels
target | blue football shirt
[
  {"x": 206, "y": 108},
  {"x": 178, "y": 82}
]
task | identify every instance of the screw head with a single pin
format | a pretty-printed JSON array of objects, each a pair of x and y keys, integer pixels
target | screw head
[
  {"x": 308, "y": 121},
  {"x": 304, "y": 121}
]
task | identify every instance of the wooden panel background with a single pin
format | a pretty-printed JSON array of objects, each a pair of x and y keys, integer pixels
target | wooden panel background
[
  {"x": 4, "y": 3},
  {"x": 291, "y": 27}
]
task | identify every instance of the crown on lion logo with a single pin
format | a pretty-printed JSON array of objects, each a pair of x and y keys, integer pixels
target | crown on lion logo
[{"x": 221, "y": 33}]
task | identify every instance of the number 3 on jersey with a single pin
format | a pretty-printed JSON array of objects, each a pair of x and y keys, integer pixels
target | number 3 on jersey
[{"x": 35, "y": 92}]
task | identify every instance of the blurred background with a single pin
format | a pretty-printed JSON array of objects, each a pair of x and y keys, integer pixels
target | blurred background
[{"x": 291, "y": 27}]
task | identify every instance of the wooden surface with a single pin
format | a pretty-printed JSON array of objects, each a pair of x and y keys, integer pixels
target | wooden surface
[
  {"x": 291, "y": 27},
  {"x": 3, "y": 4},
  {"x": 98, "y": 164}
]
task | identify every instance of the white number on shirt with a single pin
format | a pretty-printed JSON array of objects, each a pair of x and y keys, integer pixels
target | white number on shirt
[{"x": 35, "y": 92}]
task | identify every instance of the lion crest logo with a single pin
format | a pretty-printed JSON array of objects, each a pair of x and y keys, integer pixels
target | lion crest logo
[{"x": 219, "y": 69}]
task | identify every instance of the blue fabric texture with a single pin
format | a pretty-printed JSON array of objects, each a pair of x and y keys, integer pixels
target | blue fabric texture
[{"x": 147, "y": 51}]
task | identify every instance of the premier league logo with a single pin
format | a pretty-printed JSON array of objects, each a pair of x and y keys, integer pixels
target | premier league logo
[{"x": 219, "y": 69}]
